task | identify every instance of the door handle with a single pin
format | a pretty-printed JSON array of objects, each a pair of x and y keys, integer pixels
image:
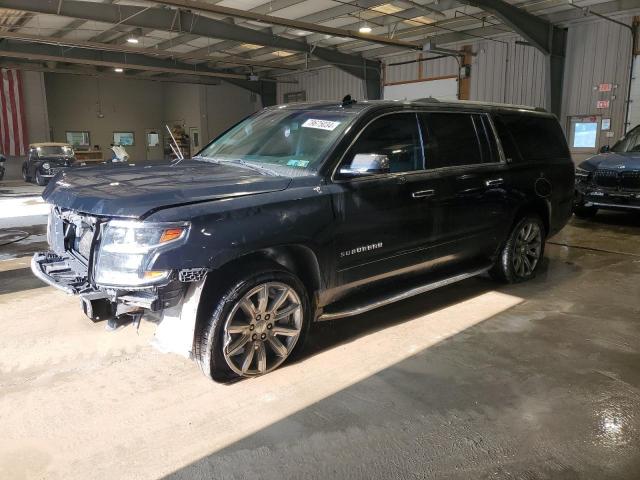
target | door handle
[
  {"x": 423, "y": 193},
  {"x": 494, "y": 182}
]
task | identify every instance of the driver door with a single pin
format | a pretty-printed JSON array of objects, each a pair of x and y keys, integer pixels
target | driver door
[{"x": 386, "y": 205}]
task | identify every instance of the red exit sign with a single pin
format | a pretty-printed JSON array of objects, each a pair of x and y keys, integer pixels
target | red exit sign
[
  {"x": 605, "y": 87},
  {"x": 602, "y": 104}
]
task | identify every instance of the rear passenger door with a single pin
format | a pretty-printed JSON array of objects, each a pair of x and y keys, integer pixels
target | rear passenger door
[{"x": 462, "y": 148}]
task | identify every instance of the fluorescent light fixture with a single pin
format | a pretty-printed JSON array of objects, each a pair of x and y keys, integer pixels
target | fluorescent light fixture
[
  {"x": 118, "y": 70},
  {"x": 365, "y": 28},
  {"x": 133, "y": 40}
]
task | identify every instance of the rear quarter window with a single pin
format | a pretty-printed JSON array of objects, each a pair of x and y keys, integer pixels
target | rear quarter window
[{"x": 534, "y": 137}]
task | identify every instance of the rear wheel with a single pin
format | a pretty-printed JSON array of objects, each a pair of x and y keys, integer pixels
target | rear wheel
[
  {"x": 522, "y": 252},
  {"x": 256, "y": 324}
]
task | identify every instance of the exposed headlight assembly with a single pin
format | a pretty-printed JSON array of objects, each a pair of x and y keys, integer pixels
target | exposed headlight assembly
[
  {"x": 127, "y": 247},
  {"x": 46, "y": 165}
]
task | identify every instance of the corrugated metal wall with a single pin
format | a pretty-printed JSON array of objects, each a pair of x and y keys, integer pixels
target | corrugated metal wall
[
  {"x": 507, "y": 72},
  {"x": 413, "y": 71},
  {"x": 328, "y": 83},
  {"x": 597, "y": 52}
]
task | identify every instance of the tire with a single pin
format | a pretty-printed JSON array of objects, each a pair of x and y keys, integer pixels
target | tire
[
  {"x": 510, "y": 265},
  {"x": 581, "y": 211},
  {"x": 40, "y": 180},
  {"x": 25, "y": 175},
  {"x": 253, "y": 336}
]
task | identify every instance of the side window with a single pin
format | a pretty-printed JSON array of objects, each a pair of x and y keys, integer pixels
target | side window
[
  {"x": 509, "y": 147},
  {"x": 538, "y": 137},
  {"x": 392, "y": 141},
  {"x": 487, "y": 139},
  {"x": 450, "y": 140}
]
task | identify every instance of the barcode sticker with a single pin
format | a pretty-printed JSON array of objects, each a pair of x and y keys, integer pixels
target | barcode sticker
[{"x": 321, "y": 124}]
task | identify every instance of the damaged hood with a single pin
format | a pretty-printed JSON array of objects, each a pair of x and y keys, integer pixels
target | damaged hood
[
  {"x": 613, "y": 160},
  {"x": 124, "y": 190}
]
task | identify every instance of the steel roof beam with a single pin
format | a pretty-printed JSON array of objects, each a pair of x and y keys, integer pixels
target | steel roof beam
[{"x": 166, "y": 19}]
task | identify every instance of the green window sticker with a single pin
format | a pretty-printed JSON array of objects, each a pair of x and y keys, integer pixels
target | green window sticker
[{"x": 298, "y": 163}]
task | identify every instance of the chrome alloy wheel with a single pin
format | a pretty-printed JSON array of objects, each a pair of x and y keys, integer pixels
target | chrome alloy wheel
[
  {"x": 262, "y": 329},
  {"x": 527, "y": 249}
]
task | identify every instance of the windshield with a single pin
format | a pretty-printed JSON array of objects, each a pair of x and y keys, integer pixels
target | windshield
[
  {"x": 289, "y": 142},
  {"x": 629, "y": 143},
  {"x": 53, "y": 151}
]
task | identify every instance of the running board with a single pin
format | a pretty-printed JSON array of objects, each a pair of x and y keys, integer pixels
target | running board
[{"x": 398, "y": 296}]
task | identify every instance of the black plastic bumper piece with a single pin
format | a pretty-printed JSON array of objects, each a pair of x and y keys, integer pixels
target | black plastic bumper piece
[
  {"x": 97, "y": 306},
  {"x": 64, "y": 273}
]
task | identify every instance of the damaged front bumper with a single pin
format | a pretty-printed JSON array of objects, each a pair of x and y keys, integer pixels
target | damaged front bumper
[{"x": 68, "y": 274}]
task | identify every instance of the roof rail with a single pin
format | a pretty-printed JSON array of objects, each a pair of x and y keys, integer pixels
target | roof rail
[{"x": 427, "y": 99}]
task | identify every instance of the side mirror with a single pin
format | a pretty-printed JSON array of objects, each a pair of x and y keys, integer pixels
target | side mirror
[
  {"x": 605, "y": 148},
  {"x": 364, "y": 164}
]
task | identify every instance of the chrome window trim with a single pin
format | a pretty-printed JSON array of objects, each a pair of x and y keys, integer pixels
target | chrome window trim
[{"x": 433, "y": 171}]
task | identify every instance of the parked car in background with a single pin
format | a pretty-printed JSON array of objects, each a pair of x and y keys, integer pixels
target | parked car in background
[
  {"x": 611, "y": 179},
  {"x": 44, "y": 160},
  {"x": 308, "y": 212}
]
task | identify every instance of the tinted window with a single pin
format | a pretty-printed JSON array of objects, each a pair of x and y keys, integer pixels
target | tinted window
[
  {"x": 395, "y": 136},
  {"x": 537, "y": 137},
  {"x": 509, "y": 147},
  {"x": 630, "y": 143},
  {"x": 488, "y": 144},
  {"x": 450, "y": 140}
]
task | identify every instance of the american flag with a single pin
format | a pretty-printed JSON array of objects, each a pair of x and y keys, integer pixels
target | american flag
[{"x": 13, "y": 128}]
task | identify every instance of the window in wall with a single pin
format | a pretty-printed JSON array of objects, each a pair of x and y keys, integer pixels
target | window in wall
[
  {"x": 153, "y": 139},
  {"x": 291, "y": 97},
  {"x": 585, "y": 135},
  {"x": 123, "y": 138},
  {"x": 78, "y": 139},
  {"x": 391, "y": 139},
  {"x": 450, "y": 140}
]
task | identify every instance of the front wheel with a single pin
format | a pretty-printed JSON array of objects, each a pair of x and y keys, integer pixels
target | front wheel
[
  {"x": 25, "y": 174},
  {"x": 521, "y": 254},
  {"x": 255, "y": 325},
  {"x": 40, "y": 180},
  {"x": 581, "y": 211}
]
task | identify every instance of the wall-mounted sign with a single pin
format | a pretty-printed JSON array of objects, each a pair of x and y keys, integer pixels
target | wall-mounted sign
[
  {"x": 605, "y": 87},
  {"x": 609, "y": 134},
  {"x": 606, "y": 124},
  {"x": 600, "y": 104}
]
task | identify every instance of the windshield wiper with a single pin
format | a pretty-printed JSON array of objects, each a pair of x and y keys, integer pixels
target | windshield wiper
[{"x": 237, "y": 161}]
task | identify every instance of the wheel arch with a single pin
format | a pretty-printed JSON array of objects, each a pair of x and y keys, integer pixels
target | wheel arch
[{"x": 538, "y": 206}]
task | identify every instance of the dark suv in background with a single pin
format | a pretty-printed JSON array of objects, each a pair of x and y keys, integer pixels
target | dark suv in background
[
  {"x": 308, "y": 212},
  {"x": 611, "y": 179}
]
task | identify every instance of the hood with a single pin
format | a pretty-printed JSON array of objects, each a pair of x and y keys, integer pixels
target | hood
[
  {"x": 124, "y": 190},
  {"x": 613, "y": 160}
]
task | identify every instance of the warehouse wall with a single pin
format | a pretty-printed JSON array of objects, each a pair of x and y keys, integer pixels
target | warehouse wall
[
  {"x": 136, "y": 105},
  {"x": 35, "y": 105},
  {"x": 598, "y": 52},
  {"x": 74, "y": 102},
  {"x": 327, "y": 83}
]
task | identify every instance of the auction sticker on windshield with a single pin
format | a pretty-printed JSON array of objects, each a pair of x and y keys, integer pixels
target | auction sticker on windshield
[{"x": 321, "y": 124}]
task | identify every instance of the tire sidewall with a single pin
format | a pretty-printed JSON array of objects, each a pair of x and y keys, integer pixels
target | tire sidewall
[
  {"x": 506, "y": 258},
  {"x": 210, "y": 340},
  {"x": 40, "y": 180}
]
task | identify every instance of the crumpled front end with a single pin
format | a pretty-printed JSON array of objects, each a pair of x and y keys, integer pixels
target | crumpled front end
[{"x": 608, "y": 187}]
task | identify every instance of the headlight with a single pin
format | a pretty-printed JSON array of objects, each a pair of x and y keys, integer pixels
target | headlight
[
  {"x": 582, "y": 173},
  {"x": 46, "y": 165},
  {"x": 127, "y": 247}
]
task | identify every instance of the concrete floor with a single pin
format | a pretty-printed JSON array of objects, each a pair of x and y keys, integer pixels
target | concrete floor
[{"x": 476, "y": 380}]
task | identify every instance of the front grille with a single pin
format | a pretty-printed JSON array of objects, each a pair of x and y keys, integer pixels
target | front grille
[{"x": 617, "y": 179}]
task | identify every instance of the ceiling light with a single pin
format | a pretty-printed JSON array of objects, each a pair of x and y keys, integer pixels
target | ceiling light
[
  {"x": 133, "y": 40},
  {"x": 365, "y": 28},
  {"x": 118, "y": 70}
]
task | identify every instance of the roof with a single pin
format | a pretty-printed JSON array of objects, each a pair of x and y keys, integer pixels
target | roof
[
  {"x": 49, "y": 144},
  {"x": 359, "y": 106}
]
